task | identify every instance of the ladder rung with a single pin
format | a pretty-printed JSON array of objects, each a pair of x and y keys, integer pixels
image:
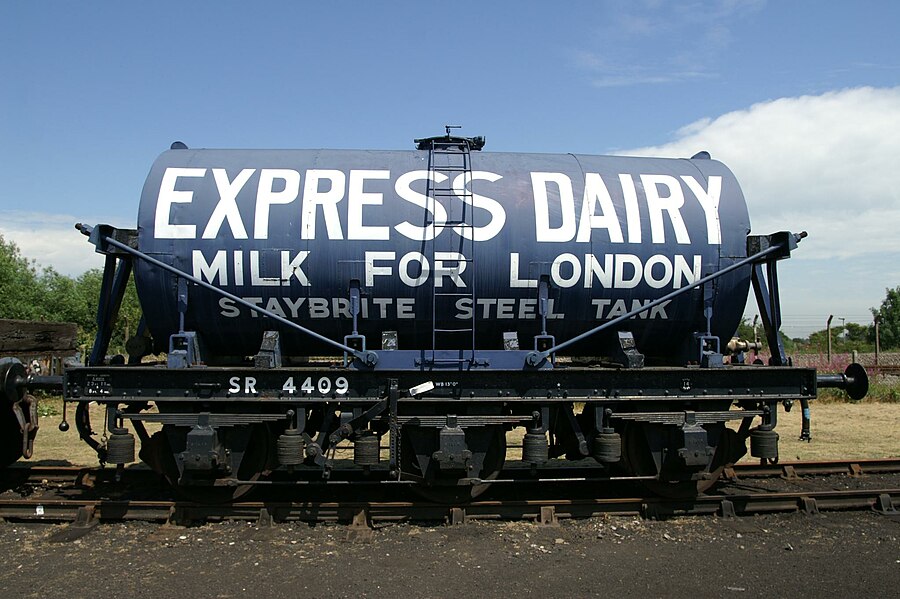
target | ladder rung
[
  {"x": 449, "y": 360},
  {"x": 450, "y": 224},
  {"x": 450, "y": 168},
  {"x": 453, "y": 330},
  {"x": 442, "y": 294},
  {"x": 444, "y": 193}
]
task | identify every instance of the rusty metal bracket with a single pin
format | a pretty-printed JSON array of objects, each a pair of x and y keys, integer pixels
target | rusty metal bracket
[
  {"x": 884, "y": 505},
  {"x": 457, "y": 516},
  {"x": 548, "y": 516},
  {"x": 360, "y": 529},
  {"x": 85, "y": 521},
  {"x": 809, "y": 506},
  {"x": 265, "y": 519}
]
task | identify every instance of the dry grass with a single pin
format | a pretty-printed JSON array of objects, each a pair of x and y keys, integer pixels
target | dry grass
[
  {"x": 839, "y": 430},
  {"x": 842, "y": 430},
  {"x": 52, "y": 445}
]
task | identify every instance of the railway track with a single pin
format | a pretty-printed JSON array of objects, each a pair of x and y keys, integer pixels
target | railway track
[{"x": 86, "y": 496}]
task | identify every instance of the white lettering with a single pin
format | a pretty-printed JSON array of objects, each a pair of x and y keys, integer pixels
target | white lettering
[
  {"x": 218, "y": 269},
  {"x": 238, "y": 268},
  {"x": 670, "y": 203},
  {"x": 373, "y": 271},
  {"x": 658, "y": 283},
  {"x": 498, "y": 214},
  {"x": 709, "y": 200},
  {"x": 632, "y": 212},
  {"x": 291, "y": 268},
  {"x": 266, "y": 196},
  {"x": 601, "y": 304},
  {"x": 595, "y": 192},
  {"x": 328, "y": 200},
  {"x": 592, "y": 266},
  {"x": 405, "y": 307},
  {"x": 505, "y": 308},
  {"x": 527, "y": 308},
  {"x": 162, "y": 225},
  {"x": 556, "y": 270},
  {"x": 436, "y": 212},
  {"x": 226, "y": 208},
  {"x": 274, "y": 307},
  {"x": 684, "y": 274},
  {"x": 514, "y": 280},
  {"x": 454, "y": 272},
  {"x": 621, "y": 282},
  {"x": 255, "y": 278},
  {"x": 464, "y": 308},
  {"x": 229, "y": 310},
  {"x": 423, "y": 269},
  {"x": 318, "y": 307},
  {"x": 357, "y": 198},
  {"x": 294, "y": 305},
  {"x": 565, "y": 210}
]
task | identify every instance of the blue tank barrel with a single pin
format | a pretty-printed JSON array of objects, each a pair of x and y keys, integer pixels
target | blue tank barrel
[{"x": 288, "y": 230}]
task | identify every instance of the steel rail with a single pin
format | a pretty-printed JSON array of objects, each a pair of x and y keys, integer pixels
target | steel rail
[
  {"x": 23, "y": 473},
  {"x": 62, "y": 510},
  {"x": 812, "y": 468}
]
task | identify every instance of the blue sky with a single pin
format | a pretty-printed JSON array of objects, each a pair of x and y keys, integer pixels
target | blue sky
[{"x": 800, "y": 99}]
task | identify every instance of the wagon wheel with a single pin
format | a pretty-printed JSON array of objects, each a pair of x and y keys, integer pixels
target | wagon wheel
[
  {"x": 12, "y": 372},
  {"x": 159, "y": 455},
  {"x": 639, "y": 461},
  {"x": 10, "y": 436},
  {"x": 446, "y": 489}
]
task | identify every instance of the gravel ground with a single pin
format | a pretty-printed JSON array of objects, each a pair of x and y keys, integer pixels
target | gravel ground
[{"x": 830, "y": 554}]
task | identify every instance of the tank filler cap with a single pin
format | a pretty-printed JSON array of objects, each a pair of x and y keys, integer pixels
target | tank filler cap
[
  {"x": 178, "y": 145},
  {"x": 427, "y": 143},
  {"x": 702, "y": 155}
]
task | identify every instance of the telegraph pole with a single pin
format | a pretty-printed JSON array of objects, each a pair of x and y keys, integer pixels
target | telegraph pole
[
  {"x": 828, "y": 329},
  {"x": 877, "y": 338}
]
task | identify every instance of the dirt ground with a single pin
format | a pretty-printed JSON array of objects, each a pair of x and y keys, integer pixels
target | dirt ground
[{"x": 828, "y": 555}]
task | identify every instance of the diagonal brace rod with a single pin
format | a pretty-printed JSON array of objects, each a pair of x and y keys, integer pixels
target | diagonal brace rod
[
  {"x": 536, "y": 357},
  {"x": 366, "y": 357}
]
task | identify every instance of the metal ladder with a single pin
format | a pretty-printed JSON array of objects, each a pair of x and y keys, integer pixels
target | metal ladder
[{"x": 449, "y": 161}]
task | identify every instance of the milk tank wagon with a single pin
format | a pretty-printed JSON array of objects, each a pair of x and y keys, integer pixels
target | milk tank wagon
[{"x": 419, "y": 305}]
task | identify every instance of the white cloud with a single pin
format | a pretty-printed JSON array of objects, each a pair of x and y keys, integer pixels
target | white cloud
[
  {"x": 826, "y": 164},
  {"x": 51, "y": 240}
]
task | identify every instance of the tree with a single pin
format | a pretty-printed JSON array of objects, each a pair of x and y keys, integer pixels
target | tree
[
  {"x": 888, "y": 315},
  {"x": 87, "y": 287},
  {"x": 18, "y": 283},
  {"x": 27, "y": 294}
]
